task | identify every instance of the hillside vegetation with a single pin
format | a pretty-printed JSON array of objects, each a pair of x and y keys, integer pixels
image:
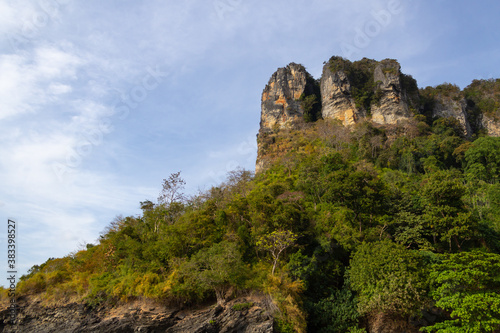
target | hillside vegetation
[{"x": 350, "y": 228}]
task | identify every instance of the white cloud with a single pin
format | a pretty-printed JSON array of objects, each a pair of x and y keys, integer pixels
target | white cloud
[
  {"x": 59, "y": 88},
  {"x": 27, "y": 79},
  {"x": 52, "y": 63}
]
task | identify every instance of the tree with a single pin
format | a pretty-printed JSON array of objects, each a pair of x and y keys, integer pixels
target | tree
[
  {"x": 216, "y": 268},
  {"x": 147, "y": 205},
  {"x": 483, "y": 159},
  {"x": 275, "y": 243},
  {"x": 467, "y": 285},
  {"x": 445, "y": 211},
  {"x": 172, "y": 189},
  {"x": 388, "y": 279}
]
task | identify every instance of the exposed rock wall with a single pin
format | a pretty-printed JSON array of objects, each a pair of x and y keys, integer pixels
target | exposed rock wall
[
  {"x": 392, "y": 106},
  {"x": 445, "y": 107},
  {"x": 139, "y": 317},
  {"x": 491, "y": 125},
  {"x": 336, "y": 100},
  {"x": 280, "y": 98},
  {"x": 365, "y": 89},
  {"x": 281, "y": 106}
]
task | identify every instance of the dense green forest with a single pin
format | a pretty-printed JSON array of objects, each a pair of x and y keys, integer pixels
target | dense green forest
[{"x": 349, "y": 226}]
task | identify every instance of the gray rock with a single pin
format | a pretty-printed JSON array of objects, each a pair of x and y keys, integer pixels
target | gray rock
[
  {"x": 78, "y": 318},
  {"x": 445, "y": 107},
  {"x": 280, "y": 107},
  {"x": 393, "y": 105},
  {"x": 336, "y": 100}
]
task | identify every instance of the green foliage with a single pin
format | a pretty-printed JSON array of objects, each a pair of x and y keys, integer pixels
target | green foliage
[
  {"x": 216, "y": 269},
  {"x": 360, "y": 74},
  {"x": 445, "y": 212},
  {"x": 286, "y": 295},
  {"x": 310, "y": 100},
  {"x": 275, "y": 243},
  {"x": 242, "y": 306},
  {"x": 483, "y": 159},
  {"x": 281, "y": 325},
  {"x": 35, "y": 284},
  {"x": 466, "y": 284},
  {"x": 335, "y": 313},
  {"x": 484, "y": 96},
  {"x": 310, "y": 105},
  {"x": 388, "y": 278},
  {"x": 409, "y": 84},
  {"x": 447, "y": 89}
]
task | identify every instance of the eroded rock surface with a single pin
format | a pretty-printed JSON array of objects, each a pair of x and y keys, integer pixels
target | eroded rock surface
[
  {"x": 139, "y": 317},
  {"x": 392, "y": 106},
  {"x": 336, "y": 99},
  {"x": 280, "y": 98}
]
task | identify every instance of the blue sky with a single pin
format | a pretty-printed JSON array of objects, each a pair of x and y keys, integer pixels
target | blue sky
[{"x": 101, "y": 100}]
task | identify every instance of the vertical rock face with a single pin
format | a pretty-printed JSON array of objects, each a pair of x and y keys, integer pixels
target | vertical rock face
[
  {"x": 336, "y": 100},
  {"x": 366, "y": 89},
  {"x": 280, "y": 105},
  {"x": 445, "y": 107},
  {"x": 392, "y": 106},
  {"x": 483, "y": 105},
  {"x": 491, "y": 125}
]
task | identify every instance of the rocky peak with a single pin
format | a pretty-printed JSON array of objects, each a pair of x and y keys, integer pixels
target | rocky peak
[
  {"x": 366, "y": 89},
  {"x": 391, "y": 103},
  {"x": 483, "y": 105},
  {"x": 280, "y": 99},
  {"x": 289, "y": 98},
  {"x": 336, "y": 99}
]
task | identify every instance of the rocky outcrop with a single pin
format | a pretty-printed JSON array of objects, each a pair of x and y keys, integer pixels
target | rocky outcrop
[
  {"x": 392, "y": 105},
  {"x": 368, "y": 90},
  {"x": 336, "y": 100},
  {"x": 280, "y": 99},
  {"x": 491, "y": 125},
  {"x": 445, "y": 107},
  {"x": 140, "y": 317}
]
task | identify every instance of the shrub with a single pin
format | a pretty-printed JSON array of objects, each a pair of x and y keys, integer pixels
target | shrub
[
  {"x": 242, "y": 306},
  {"x": 35, "y": 284}
]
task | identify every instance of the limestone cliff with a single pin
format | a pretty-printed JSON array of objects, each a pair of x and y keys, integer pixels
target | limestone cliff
[
  {"x": 368, "y": 90},
  {"x": 483, "y": 105},
  {"x": 371, "y": 89},
  {"x": 455, "y": 108},
  {"x": 282, "y": 106},
  {"x": 336, "y": 99},
  {"x": 491, "y": 124},
  {"x": 280, "y": 99},
  {"x": 393, "y": 105}
]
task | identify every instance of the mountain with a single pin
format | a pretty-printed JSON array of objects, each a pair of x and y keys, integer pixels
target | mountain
[
  {"x": 375, "y": 208},
  {"x": 369, "y": 90}
]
